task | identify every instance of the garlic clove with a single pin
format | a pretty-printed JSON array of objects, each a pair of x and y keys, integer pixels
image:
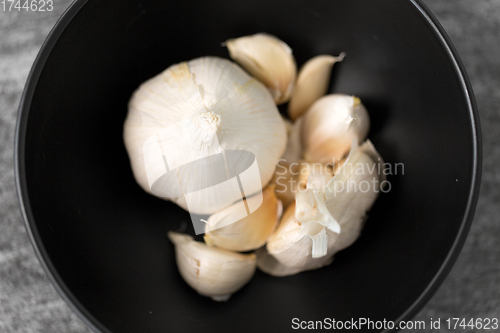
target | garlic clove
[
  {"x": 329, "y": 126},
  {"x": 312, "y": 83},
  {"x": 285, "y": 181},
  {"x": 268, "y": 59},
  {"x": 250, "y": 232},
  {"x": 293, "y": 150},
  {"x": 295, "y": 243},
  {"x": 194, "y": 112},
  {"x": 353, "y": 190},
  {"x": 315, "y": 176},
  {"x": 212, "y": 272},
  {"x": 296, "y": 247},
  {"x": 287, "y": 170},
  {"x": 268, "y": 264}
]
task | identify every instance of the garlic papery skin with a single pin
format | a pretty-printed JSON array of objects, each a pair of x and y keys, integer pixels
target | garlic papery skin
[
  {"x": 212, "y": 272},
  {"x": 312, "y": 83},
  {"x": 290, "y": 249},
  {"x": 310, "y": 208},
  {"x": 353, "y": 190},
  {"x": 183, "y": 123},
  {"x": 329, "y": 126},
  {"x": 248, "y": 233},
  {"x": 268, "y": 59}
]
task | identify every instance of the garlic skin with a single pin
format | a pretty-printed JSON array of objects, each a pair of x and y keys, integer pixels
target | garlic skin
[
  {"x": 248, "y": 233},
  {"x": 268, "y": 59},
  {"x": 312, "y": 83},
  {"x": 330, "y": 125},
  {"x": 194, "y": 111},
  {"x": 212, "y": 272},
  {"x": 347, "y": 200}
]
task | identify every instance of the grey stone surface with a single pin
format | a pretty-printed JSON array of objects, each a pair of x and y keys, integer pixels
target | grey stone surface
[{"x": 29, "y": 303}]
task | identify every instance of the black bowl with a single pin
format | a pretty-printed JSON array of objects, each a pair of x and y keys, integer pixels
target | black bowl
[{"x": 102, "y": 239}]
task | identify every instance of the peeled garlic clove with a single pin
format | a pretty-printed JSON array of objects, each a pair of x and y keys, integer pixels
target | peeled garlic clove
[
  {"x": 312, "y": 83},
  {"x": 291, "y": 249},
  {"x": 212, "y": 272},
  {"x": 353, "y": 190},
  {"x": 192, "y": 114},
  {"x": 329, "y": 126},
  {"x": 268, "y": 59},
  {"x": 250, "y": 232}
]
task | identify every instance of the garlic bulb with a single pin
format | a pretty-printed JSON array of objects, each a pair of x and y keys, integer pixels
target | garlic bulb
[
  {"x": 348, "y": 196},
  {"x": 268, "y": 59},
  {"x": 312, "y": 83},
  {"x": 249, "y": 232},
  {"x": 212, "y": 272},
  {"x": 198, "y": 129},
  {"x": 291, "y": 249},
  {"x": 329, "y": 126}
]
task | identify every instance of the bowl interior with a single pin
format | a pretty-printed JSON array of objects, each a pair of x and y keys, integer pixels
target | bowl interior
[{"x": 104, "y": 239}]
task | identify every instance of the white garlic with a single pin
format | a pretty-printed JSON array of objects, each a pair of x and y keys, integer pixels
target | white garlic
[
  {"x": 212, "y": 272},
  {"x": 193, "y": 115},
  {"x": 329, "y": 126},
  {"x": 268, "y": 59},
  {"x": 249, "y": 232},
  {"x": 347, "y": 200},
  {"x": 312, "y": 83}
]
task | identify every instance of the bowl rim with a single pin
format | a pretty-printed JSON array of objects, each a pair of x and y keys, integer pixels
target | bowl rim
[{"x": 96, "y": 325}]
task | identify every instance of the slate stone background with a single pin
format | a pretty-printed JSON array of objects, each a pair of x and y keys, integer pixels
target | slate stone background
[{"x": 29, "y": 303}]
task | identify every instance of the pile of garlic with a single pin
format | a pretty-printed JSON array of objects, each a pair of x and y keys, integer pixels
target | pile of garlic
[{"x": 312, "y": 168}]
